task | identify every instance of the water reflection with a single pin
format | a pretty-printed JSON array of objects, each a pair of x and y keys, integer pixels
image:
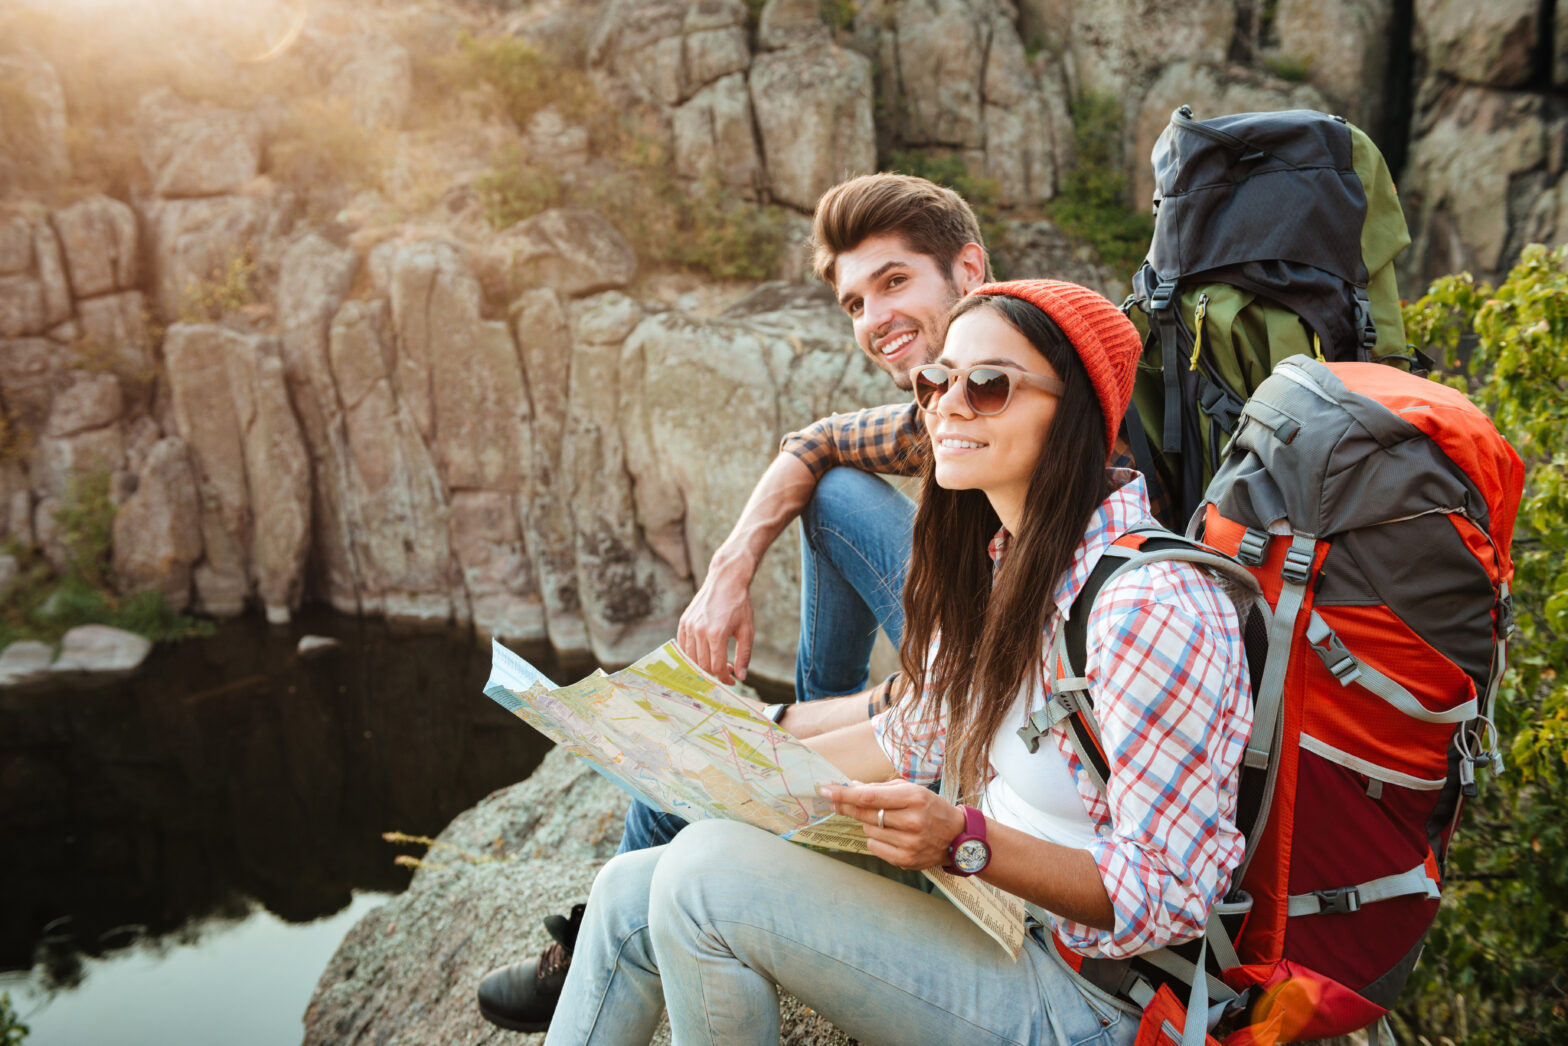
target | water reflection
[{"x": 230, "y": 769}]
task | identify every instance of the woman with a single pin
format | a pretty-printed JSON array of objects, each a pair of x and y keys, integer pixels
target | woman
[{"x": 1016, "y": 508}]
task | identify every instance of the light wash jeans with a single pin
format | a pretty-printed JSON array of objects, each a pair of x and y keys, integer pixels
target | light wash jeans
[
  {"x": 854, "y": 556},
  {"x": 710, "y": 923}
]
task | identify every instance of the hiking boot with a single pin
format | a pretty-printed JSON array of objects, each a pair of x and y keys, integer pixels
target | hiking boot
[{"x": 522, "y": 995}]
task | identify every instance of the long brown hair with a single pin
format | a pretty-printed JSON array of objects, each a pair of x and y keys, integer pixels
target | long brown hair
[{"x": 990, "y": 627}]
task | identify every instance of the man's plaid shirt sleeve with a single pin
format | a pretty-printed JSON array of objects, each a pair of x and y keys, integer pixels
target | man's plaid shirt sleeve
[{"x": 878, "y": 439}]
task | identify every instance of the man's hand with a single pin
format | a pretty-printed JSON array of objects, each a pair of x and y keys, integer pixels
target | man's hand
[
  {"x": 917, "y": 825},
  {"x": 720, "y": 611}
]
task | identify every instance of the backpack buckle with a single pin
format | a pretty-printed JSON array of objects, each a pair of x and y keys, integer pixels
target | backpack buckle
[
  {"x": 1366, "y": 326},
  {"x": 1340, "y": 662},
  {"x": 1505, "y": 616},
  {"x": 1254, "y": 546},
  {"x": 1160, "y": 300},
  {"x": 1339, "y": 901},
  {"x": 1298, "y": 565}
]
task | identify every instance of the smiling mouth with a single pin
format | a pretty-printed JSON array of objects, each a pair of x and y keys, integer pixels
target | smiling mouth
[
  {"x": 953, "y": 443},
  {"x": 898, "y": 344}
]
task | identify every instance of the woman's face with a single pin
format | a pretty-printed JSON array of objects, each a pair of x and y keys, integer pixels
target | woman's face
[{"x": 995, "y": 454}]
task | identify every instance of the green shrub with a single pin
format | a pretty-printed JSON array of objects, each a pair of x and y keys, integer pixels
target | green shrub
[
  {"x": 12, "y": 1030},
  {"x": 1493, "y": 968},
  {"x": 515, "y": 192},
  {"x": 1091, "y": 204},
  {"x": 41, "y": 603},
  {"x": 1288, "y": 67},
  {"x": 230, "y": 287},
  {"x": 523, "y": 79}
]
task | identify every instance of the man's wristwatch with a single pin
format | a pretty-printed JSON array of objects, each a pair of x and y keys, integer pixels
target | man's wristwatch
[
  {"x": 774, "y": 712},
  {"x": 969, "y": 853}
]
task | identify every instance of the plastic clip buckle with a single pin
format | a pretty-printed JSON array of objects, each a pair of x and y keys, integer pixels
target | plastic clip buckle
[
  {"x": 1341, "y": 901},
  {"x": 1298, "y": 565},
  {"x": 1254, "y": 547},
  {"x": 1163, "y": 294}
]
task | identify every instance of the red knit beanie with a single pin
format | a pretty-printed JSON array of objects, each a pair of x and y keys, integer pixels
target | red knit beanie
[{"x": 1106, "y": 341}]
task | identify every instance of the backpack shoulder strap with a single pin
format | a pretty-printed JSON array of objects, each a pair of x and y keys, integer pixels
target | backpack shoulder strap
[{"x": 1070, "y": 700}]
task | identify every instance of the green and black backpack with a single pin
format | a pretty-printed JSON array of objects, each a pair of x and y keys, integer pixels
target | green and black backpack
[{"x": 1274, "y": 236}]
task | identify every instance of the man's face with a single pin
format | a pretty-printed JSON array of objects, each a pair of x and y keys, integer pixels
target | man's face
[{"x": 898, "y": 299}]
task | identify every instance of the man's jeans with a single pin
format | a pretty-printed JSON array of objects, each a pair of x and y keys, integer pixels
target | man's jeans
[
  {"x": 854, "y": 556},
  {"x": 710, "y": 923}
]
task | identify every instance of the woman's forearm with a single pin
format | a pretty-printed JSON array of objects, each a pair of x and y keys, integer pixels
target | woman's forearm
[
  {"x": 1061, "y": 879},
  {"x": 854, "y": 750}
]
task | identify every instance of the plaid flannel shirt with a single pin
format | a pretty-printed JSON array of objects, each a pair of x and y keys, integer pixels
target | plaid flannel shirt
[{"x": 1167, "y": 674}]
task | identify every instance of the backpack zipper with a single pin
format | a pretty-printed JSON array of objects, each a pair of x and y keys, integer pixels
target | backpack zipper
[{"x": 1198, "y": 316}]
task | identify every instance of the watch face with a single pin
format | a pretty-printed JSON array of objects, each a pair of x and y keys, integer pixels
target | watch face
[{"x": 971, "y": 855}]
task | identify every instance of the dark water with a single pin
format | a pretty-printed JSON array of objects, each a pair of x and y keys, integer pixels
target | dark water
[{"x": 232, "y": 792}]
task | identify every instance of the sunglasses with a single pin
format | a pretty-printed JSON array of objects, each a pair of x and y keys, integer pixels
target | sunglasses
[{"x": 987, "y": 389}]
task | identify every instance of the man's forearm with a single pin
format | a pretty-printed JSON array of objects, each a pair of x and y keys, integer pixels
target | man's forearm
[{"x": 779, "y": 496}]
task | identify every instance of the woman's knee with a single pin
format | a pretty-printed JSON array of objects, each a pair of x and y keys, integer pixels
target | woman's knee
[{"x": 711, "y": 870}]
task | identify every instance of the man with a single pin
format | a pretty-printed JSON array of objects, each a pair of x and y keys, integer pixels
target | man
[{"x": 898, "y": 252}]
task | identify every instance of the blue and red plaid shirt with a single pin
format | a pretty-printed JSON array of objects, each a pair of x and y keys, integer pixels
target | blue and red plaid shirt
[{"x": 1168, "y": 678}]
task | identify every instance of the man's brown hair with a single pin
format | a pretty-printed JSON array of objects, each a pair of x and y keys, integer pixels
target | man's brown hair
[{"x": 932, "y": 220}]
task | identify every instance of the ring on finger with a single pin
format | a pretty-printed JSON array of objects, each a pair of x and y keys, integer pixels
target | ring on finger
[{"x": 880, "y": 815}]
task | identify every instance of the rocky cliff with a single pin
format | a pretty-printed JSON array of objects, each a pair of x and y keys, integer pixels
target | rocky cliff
[{"x": 272, "y": 284}]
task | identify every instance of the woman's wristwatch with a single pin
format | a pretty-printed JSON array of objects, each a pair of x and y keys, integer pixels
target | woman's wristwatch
[{"x": 969, "y": 853}]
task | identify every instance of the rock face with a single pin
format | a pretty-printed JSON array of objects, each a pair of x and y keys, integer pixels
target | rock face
[
  {"x": 397, "y": 410},
  {"x": 498, "y": 870}
]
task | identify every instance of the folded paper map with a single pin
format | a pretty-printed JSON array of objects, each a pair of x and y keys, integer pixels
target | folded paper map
[{"x": 671, "y": 735}]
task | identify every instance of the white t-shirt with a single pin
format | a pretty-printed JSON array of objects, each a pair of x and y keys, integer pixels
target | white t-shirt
[{"x": 1034, "y": 791}]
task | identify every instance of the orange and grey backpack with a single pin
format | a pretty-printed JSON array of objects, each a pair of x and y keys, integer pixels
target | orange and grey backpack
[{"x": 1374, "y": 510}]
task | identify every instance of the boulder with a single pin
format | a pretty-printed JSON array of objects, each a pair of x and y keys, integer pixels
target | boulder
[
  {"x": 770, "y": 364},
  {"x": 157, "y": 530},
  {"x": 1037, "y": 247},
  {"x": 112, "y": 333},
  {"x": 562, "y": 28},
  {"x": 231, "y": 408},
  {"x": 716, "y": 43},
  {"x": 377, "y": 80},
  {"x": 715, "y": 138},
  {"x": 461, "y": 373},
  {"x": 933, "y": 63},
  {"x": 1493, "y": 44},
  {"x": 479, "y": 899},
  {"x": 1211, "y": 91},
  {"x": 1028, "y": 129},
  {"x": 550, "y": 141},
  {"x": 193, "y": 242},
  {"x": 314, "y": 276},
  {"x": 1344, "y": 46},
  {"x": 98, "y": 235},
  {"x": 544, "y": 340},
  {"x": 635, "y": 52},
  {"x": 488, "y": 543},
  {"x": 631, "y": 597},
  {"x": 57, "y": 460},
  {"x": 30, "y": 372},
  {"x": 36, "y": 296},
  {"x": 89, "y": 401},
  {"x": 25, "y": 662},
  {"x": 47, "y": 139},
  {"x": 813, "y": 109},
  {"x": 101, "y": 652},
  {"x": 191, "y": 150},
  {"x": 572, "y": 250},
  {"x": 1465, "y": 179},
  {"x": 315, "y": 646},
  {"x": 791, "y": 23},
  {"x": 395, "y": 506},
  {"x": 1118, "y": 47},
  {"x": 16, "y": 245}
]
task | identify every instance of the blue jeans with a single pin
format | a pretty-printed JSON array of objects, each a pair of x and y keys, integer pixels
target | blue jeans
[
  {"x": 709, "y": 924},
  {"x": 854, "y": 556}
]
